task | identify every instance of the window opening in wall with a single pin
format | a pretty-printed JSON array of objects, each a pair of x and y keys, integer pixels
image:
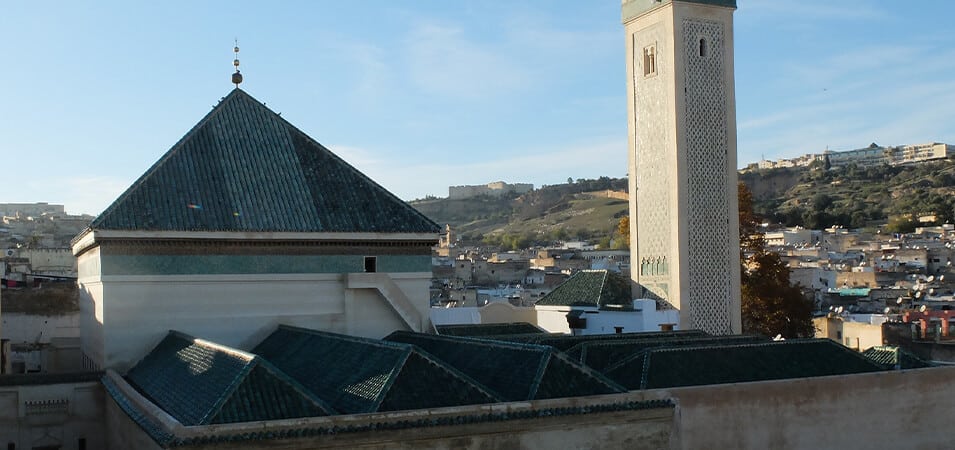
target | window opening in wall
[
  {"x": 81, "y": 444},
  {"x": 11, "y": 446},
  {"x": 649, "y": 60},
  {"x": 703, "y": 47},
  {"x": 371, "y": 264}
]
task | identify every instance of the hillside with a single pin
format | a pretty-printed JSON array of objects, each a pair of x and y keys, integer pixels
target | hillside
[
  {"x": 809, "y": 197},
  {"x": 854, "y": 197},
  {"x": 578, "y": 210}
]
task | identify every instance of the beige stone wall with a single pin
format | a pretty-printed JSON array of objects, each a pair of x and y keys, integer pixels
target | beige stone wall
[
  {"x": 501, "y": 312},
  {"x": 882, "y": 410},
  {"x": 52, "y": 414},
  {"x": 897, "y": 409},
  {"x": 855, "y": 335}
]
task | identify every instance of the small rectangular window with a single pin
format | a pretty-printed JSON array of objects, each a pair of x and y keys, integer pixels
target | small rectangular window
[
  {"x": 371, "y": 264},
  {"x": 649, "y": 60},
  {"x": 81, "y": 444}
]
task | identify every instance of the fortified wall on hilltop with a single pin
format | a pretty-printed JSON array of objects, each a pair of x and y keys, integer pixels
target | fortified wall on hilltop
[{"x": 496, "y": 189}]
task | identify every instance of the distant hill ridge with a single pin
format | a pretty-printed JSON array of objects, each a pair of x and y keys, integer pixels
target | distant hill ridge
[
  {"x": 811, "y": 197},
  {"x": 582, "y": 209}
]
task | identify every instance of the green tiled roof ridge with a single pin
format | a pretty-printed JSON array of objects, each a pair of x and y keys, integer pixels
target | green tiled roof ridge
[
  {"x": 890, "y": 357},
  {"x": 227, "y": 393},
  {"x": 480, "y": 329},
  {"x": 473, "y": 340},
  {"x": 593, "y": 373},
  {"x": 344, "y": 337},
  {"x": 142, "y": 379},
  {"x": 361, "y": 174},
  {"x": 441, "y": 365},
  {"x": 393, "y": 375},
  {"x": 556, "y": 297},
  {"x": 647, "y": 354},
  {"x": 539, "y": 377},
  {"x": 165, "y": 157},
  {"x": 412, "y": 219},
  {"x": 689, "y": 348},
  {"x": 585, "y": 349},
  {"x": 281, "y": 377}
]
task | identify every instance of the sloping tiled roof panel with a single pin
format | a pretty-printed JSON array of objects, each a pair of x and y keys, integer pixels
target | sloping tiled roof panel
[
  {"x": 890, "y": 357},
  {"x": 358, "y": 375},
  {"x": 425, "y": 382},
  {"x": 351, "y": 374},
  {"x": 267, "y": 394},
  {"x": 244, "y": 168},
  {"x": 601, "y": 355},
  {"x": 488, "y": 329},
  {"x": 200, "y": 383},
  {"x": 590, "y": 288},
  {"x": 695, "y": 366},
  {"x": 564, "y": 342},
  {"x": 515, "y": 371}
]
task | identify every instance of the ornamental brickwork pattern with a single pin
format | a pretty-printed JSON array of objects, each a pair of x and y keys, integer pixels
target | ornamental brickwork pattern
[
  {"x": 707, "y": 148},
  {"x": 653, "y": 186}
]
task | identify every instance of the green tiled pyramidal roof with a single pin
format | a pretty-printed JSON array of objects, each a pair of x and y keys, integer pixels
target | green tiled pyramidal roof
[
  {"x": 201, "y": 383},
  {"x": 488, "y": 329},
  {"x": 359, "y": 375},
  {"x": 590, "y": 288},
  {"x": 891, "y": 357},
  {"x": 515, "y": 371},
  {"x": 718, "y": 364},
  {"x": 244, "y": 168}
]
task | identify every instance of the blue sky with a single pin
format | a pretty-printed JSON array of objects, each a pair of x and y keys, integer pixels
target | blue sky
[{"x": 426, "y": 94}]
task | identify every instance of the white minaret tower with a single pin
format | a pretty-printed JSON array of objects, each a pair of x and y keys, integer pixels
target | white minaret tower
[{"x": 682, "y": 159}]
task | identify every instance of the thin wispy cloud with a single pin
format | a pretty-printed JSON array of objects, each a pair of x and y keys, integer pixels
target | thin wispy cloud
[
  {"x": 443, "y": 60},
  {"x": 843, "y": 10}
]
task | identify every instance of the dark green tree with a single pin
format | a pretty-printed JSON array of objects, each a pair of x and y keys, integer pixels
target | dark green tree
[{"x": 770, "y": 304}]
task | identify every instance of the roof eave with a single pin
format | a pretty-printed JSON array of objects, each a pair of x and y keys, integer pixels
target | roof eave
[{"x": 98, "y": 235}]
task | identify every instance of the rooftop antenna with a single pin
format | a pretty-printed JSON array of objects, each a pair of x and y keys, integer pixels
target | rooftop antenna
[{"x": 237, "y": 76}]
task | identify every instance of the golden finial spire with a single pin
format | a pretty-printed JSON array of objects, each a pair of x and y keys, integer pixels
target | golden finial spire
[{"x": 236, "y": 77}]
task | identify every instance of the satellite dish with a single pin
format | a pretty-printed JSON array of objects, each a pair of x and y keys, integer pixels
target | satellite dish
[
  {"x": 918, "y": 294},
  {"x": 832, "y": 308},
  {"x": 922, "y": 308},
  {"x": 899, "y": 301},
  {"x": 839, "y": 309},
  {"x": 931, "y": 291},
  {"x": 930, "y": 278},
  {"x": 941, "y": 278},
  {"x": 887, "y": 310}
]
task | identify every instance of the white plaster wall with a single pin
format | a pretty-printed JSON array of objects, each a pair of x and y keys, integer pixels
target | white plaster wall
[
  {"x": 20, "y": 327},
  {"x": 233, "y": 310},
  {"x": 553, "y": 318}
]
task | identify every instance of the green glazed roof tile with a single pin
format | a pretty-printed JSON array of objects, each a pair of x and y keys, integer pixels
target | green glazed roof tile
[
  {"x": 891, "y": 357},
  {"x": 244, "y": 168},
  {"x": 591, "y": 288},
  {"x": 488, "y": 329},
  {"x": 564, "y": 342},
  {"x": 201, "y": 383},
  {"x": 359, "y": 375},
  {"x": 718, "y": 364},
  {"x": 515, "y": 371},
  {"x": 602, "y": 354}
]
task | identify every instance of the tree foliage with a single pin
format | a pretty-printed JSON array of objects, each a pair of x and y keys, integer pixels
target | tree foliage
[
  {"x": 623, "y": 230},
  {"x": 770, "y": 304}
]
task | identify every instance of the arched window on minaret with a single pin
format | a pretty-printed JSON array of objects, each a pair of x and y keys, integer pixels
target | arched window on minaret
[{"x": 702, "y": 47}]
